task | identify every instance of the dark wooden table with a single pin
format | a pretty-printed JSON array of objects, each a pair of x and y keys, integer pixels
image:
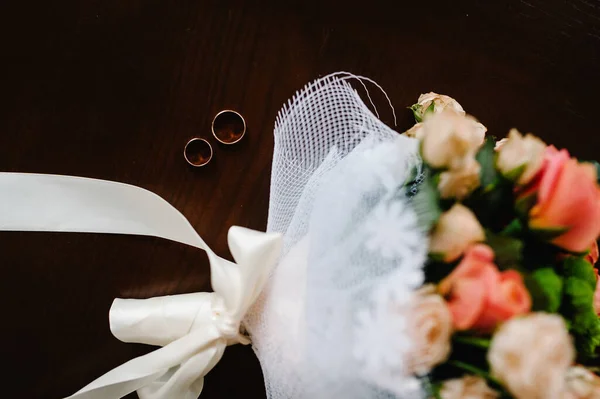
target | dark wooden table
[{"x": 113, "y": 89}]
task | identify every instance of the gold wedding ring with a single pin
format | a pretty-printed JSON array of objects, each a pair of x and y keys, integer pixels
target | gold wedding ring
[
  {"x": 228, "y": 127},
  {"x": 198, "y": 152}
]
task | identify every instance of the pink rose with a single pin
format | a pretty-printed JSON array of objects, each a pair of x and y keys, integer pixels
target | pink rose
[
  {"x": 479, "y": 296},
  {"x": 567, "y": 197}
]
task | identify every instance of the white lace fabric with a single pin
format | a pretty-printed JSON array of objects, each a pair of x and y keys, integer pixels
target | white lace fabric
[{"x": 352, "y": 248}]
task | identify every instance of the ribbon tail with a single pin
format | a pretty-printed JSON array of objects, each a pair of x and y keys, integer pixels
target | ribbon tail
[
  {"x": 186, "y": 381},
  {"x": 159, "y": 370},
  {"x": 34, "y": 202},
  {"x": 113, "y": 387}
]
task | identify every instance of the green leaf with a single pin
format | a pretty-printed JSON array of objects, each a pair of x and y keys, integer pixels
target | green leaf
[
  {"x": 546, "y": 289},
  {"x": 581, "y": 269},
  {"x": 426, "y": 204},
  {"x": 478, "y": 342},
  {"x": 421, "y": 114},
  {"x": 429, "y": 110},
  {"x": 524, "y": 204},
  {"x": 548, "y": 233},
  {"x": 416, "y": 110},
  {"x": 493, "y": 208},
  {"x": 585, "y": 323},
  {"x": 486, "y": 158},
  {"x": 568, "y": 323},
  {"x": 581, "y": 296},
  {"x": 508, "y": 250},
  {"x": 514, "y": 228},
  {"x": 433, "y": 388},
  {"x": 494, "y": 200},
  {"x": 436, "y": 257}
]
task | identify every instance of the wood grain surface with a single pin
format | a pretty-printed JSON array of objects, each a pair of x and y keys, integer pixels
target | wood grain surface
[{"x": 114, "y": 89}]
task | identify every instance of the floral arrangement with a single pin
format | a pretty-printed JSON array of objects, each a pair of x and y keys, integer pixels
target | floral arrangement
[
  {"x": 443, "y": 265},
  {"x": 511, "y": 301}
]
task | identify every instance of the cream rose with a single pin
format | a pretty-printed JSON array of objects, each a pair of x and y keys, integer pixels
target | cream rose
[
  {"x": 479, "y": 128},
  {"x": 430, "y": 331},
  {"x": 519, "y": 151},
  {"x": 459, "y": 183},
  {"x": 416, "y": 131},
  {"x": 450, "y": 140},
  {"x": 440, "y": 102},
  {"x": 531, "y": 356},
  {"x": 456, "y": 230},
  {"x": 582, "y": 384},
  {"x": 467, "y": 387},
  {"x": 500, "y": 144}
]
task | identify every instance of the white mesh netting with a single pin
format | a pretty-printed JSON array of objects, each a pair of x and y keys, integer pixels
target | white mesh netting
[{"x": 352, "y": 248}]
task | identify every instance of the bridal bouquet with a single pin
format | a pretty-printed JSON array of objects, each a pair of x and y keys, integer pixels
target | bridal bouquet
[
  {"x": 511, "y": 297},
  {"x": 435, "y": 264}
]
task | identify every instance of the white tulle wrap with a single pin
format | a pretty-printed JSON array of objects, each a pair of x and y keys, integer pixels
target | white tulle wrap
[{"x": 327, "y": 325}]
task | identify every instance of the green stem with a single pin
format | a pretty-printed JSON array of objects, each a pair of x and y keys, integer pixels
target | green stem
[
  {"x": 483, "y": 343},
  {"x": 474, "y": 370}
]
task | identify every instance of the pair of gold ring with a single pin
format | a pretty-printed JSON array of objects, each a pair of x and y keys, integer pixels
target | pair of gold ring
[{"x": 228, "y": 127}]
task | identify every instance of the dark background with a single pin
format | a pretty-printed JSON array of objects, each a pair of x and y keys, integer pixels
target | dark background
[{"x": 113, "y": 89}]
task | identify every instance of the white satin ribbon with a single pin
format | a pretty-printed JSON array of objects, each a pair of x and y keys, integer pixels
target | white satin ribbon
[{"x": 193, "y": 329}]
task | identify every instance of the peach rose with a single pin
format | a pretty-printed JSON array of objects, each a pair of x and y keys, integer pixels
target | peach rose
[
  {"x": 582, "y": 384},
  {"x": 440, "y": 102},
  {"x": 450, "y": 140},
  {"x": 500, "y": 144},
  {"x": 416, "y": 131},
  {"x": 430, "y": 330},
  {"x": 467, "y": 387},
  {"x": 479, "y": 296},
  {"x": 526, "y": 152},
  {"x": 530, "y": 355},
  {"x": 456, "y": 230},
  {"x": 459, "y": 183},
  {"x": 567, "y": 197}
]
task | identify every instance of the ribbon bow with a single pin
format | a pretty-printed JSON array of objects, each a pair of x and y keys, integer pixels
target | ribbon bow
[{"x": 193, "y": 329}]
